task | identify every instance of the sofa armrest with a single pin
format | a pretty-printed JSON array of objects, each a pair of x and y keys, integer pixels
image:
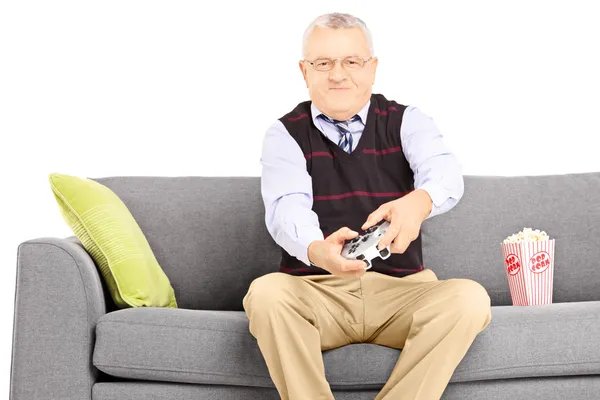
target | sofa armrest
[{"x": 59, "y": 297}]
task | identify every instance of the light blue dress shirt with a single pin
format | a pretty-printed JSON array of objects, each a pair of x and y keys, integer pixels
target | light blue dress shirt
[{"x": 286, "y": 185}]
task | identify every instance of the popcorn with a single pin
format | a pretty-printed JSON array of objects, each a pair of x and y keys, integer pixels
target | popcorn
[
  {"x": 527, "y": 235},
  {"x": 529, "y": 265}
]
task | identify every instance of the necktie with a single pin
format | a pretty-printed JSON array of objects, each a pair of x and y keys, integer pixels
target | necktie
[{"x": 346, "y": 139}]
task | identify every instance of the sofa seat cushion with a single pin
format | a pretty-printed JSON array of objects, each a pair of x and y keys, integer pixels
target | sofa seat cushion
[{"x": 216, "y": 347}]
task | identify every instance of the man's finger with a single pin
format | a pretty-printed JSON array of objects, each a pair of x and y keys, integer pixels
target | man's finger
[
  {"x": 343, "y": 234},
  {"x": 375, "y": 217},
  {"x": 399, "y": 245},
  {"x": 351, "y": 274},
  {"x": 351, "y": 265},
  {"x": 391, "y": 234},
  {"x": 347, "y": 234}
]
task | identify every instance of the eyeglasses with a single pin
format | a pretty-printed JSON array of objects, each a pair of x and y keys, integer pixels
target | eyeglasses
[{"x": 326, "y": 64}]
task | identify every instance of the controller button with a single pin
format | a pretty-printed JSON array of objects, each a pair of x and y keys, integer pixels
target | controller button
[{"x": 384, "y": 252}]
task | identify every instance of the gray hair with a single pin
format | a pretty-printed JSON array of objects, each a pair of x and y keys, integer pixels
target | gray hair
[{"x": 336, "y": 21}]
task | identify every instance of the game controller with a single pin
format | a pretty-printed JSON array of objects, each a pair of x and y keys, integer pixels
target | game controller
[{"x": 364, "y": 246}]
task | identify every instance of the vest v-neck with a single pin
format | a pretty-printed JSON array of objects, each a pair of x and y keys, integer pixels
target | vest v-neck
[{"x": 367, "y": 134}]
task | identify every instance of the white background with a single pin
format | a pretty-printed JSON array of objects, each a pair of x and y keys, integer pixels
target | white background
[{"x": 112, "y": 88}]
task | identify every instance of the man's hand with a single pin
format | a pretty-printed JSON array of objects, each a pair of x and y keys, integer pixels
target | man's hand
[
  {"x": 405, "y": 216},
  {"x": 326, "y": 254}
]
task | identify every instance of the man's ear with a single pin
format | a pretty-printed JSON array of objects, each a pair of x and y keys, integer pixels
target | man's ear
[
  {"x": 303, "y": 69},
  {"x": 375, "y": 63}
]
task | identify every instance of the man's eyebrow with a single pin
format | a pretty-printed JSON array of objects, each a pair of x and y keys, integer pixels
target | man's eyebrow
[{"x": 350, "y": 55}]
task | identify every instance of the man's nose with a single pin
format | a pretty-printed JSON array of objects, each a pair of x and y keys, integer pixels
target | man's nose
[{"x": 337, "y": 73}]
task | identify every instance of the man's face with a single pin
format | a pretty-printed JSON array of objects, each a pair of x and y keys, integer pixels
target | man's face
[{"x": 340, "y": 92}]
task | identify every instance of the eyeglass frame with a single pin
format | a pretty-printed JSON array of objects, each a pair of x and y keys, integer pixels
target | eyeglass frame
[{"x": 335, "y": 60}]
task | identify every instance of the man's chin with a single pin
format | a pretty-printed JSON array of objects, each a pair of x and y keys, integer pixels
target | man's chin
[
  {"x": 341, "y": 93},
  {"x": 340, "y": 100}
]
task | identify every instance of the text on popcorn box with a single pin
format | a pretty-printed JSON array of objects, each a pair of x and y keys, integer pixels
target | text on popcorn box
[
  {"x": 539, "y": 262},
  {"x": 513, "y": 264}
]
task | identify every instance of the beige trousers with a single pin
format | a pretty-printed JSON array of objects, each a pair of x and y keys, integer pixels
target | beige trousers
[{"x": 434, "y": 322}]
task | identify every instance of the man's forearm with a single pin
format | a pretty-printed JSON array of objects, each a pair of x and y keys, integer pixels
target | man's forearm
[{"x": 294, "y": 226}]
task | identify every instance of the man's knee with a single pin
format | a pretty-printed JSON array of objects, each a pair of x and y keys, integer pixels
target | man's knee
[
  {"x": 470, "y": 298},
  {"x": 267, "y": 292}
]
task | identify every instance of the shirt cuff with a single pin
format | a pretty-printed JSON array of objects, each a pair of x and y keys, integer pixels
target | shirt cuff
[
  {"x": 438, "y": 197},
  {"x": 305, "y": 235}
]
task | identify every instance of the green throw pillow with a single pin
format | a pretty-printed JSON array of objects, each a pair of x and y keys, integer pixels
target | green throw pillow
[{"x": 112, "y": 237}]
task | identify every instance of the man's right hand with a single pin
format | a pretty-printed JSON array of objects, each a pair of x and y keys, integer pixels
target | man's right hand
[{"x": 326, "y": 254}]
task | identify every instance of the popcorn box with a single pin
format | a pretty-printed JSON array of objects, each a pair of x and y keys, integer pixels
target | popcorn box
[{"x": 529, "y": 264}]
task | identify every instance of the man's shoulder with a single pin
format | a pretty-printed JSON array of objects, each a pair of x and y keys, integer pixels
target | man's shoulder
[
  {"x": 381, "y": 100},
  {"x": 298, "y": 119},
  {"x": 389, "y": 108},
  {"x": 292, "y": 121},
  {"x": 407, "y": 109},
  {"x": 299, "y": 112}
]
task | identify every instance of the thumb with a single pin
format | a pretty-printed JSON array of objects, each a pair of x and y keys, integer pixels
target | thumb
[{"x": 345, "y": 233}]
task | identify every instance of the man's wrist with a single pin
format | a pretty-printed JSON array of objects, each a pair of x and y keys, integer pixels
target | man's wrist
[
  {"x": 306, "y": 235},
  {"x": 310, "y": 251},
  {"x": 426, "y": 201}
]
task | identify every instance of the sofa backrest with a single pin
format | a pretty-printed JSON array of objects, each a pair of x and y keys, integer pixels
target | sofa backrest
[{"x": 209, "y": 233}]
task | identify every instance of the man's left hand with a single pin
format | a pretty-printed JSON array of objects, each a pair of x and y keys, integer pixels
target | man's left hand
[{"x": 405, "y": 216}]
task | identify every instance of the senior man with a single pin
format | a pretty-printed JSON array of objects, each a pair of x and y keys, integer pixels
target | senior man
[{"x": 332, "y": 166}]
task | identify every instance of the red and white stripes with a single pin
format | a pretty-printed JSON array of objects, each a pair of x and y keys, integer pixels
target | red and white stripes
[{"x": 529, "y": 269}]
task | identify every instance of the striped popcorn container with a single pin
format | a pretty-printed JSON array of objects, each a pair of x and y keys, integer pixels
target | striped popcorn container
[{"x": 529, "y": 264}]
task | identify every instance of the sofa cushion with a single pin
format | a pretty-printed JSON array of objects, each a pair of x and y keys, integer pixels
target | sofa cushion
[
  {"x": 112, "y": 237},
  {"x": 215, "y": 347}
]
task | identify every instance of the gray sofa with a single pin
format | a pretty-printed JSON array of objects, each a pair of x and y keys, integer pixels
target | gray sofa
[{"x": 208, "y": 234}]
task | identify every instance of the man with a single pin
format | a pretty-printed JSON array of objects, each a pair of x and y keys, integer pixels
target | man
[{"x": 335, "y": 165}]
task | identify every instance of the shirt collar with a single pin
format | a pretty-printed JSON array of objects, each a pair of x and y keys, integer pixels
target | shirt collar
[{"x": 315, "y": 112}]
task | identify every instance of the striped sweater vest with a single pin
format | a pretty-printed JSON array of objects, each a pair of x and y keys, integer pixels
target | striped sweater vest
[{"x": 347, "y": 187}]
